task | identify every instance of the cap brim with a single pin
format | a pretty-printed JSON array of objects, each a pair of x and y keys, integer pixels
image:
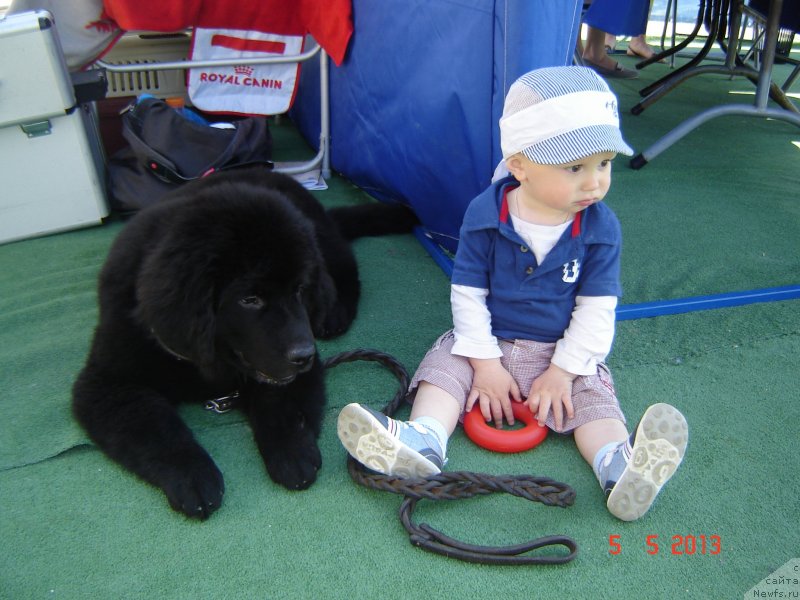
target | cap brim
[{"x": 577, "y": 144}]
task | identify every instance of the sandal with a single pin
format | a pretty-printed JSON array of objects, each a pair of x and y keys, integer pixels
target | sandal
[
  {"x": 618, "y": 72},
  {"x": 644, "y": 56}
]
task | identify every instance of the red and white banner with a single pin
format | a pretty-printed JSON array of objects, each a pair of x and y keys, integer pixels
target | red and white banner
[
  {"x": 234, "y": 29},
  {"x": 243, "y": 89}
]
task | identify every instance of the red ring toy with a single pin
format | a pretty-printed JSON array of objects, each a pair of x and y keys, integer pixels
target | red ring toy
[{"x": 505, "y": 440}]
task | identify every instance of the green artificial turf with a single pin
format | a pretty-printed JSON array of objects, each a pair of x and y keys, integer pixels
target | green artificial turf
[{"x": 716, "y": 213}]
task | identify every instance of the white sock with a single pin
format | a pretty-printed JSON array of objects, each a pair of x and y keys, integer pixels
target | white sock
[{"x": 437, "y": 429}]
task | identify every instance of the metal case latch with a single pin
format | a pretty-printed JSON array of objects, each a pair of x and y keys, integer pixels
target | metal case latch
[{"x": 36, "y": 129}]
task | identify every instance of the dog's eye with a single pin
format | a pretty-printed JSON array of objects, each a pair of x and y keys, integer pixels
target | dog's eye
[{"x": 251, "y": 302}]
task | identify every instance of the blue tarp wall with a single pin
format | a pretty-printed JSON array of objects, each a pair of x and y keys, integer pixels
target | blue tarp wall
[{"x": 415, "y": 105}]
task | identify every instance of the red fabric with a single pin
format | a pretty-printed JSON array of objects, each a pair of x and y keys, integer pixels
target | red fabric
[
  {"x": 329, "y": 21},
  {"x": 504, "y": 205},
  {"x": 576, "y": 225},
  {"x": 241, "y": 45}
]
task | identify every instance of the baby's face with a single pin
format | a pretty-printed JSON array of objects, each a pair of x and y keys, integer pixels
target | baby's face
[{"x": 567, "y": 188}]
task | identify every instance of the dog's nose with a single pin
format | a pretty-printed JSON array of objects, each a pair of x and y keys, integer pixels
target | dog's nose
[{"x": 301, "y": 356}]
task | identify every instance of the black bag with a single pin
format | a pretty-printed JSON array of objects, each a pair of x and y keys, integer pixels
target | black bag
[{"x": 168, "y": 148}]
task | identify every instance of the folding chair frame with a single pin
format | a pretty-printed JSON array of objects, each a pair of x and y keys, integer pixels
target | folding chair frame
[{"x": 322, "y": 158}]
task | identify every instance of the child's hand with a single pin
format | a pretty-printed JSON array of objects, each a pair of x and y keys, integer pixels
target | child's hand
[
  {"x": 552, "y": 390},
  {"x": 492, "y": 386}
]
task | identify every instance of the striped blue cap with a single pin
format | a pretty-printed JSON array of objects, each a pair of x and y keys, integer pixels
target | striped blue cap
[{"x": 558, "y": 115}]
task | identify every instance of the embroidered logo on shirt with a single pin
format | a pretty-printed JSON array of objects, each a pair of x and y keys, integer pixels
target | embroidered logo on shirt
[{"x": 571, "y": 271}]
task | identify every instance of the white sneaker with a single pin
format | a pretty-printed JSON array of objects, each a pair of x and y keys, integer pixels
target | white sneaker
[
  {"x": 396, "y": 448},
  {"x": 651, "y": 456}
]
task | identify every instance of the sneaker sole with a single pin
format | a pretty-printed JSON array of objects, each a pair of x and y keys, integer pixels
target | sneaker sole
[
  {"x": 658, "y": 449},
  {"x": 370, "y": 444}
]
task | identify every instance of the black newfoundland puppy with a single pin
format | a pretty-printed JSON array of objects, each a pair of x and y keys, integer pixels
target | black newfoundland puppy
[{"x": 220, "y": 289}]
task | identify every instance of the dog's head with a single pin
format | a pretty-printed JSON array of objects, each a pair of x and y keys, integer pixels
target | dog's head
[
  {"x": 236, "y": 283},
  {"x": 263, "y": 328}
]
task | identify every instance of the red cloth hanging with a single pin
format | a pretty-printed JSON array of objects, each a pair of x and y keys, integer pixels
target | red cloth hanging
[{"x": 328, "y": 21}]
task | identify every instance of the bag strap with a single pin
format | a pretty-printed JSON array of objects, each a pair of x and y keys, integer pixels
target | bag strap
[
  {"x": 165, "y": 169},
  {"x": 168, "y": 174}
]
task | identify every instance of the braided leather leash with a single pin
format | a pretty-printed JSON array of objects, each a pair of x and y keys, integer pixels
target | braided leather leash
[{"x": 454, "y": 485}]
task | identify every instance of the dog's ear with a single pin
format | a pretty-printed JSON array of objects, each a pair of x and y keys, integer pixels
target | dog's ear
[{"x": 176, "y": 295}]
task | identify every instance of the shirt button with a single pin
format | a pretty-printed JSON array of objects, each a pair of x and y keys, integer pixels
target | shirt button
[
  {"x": 523, "y": 248},
  {"x": 529, "y": 270}
]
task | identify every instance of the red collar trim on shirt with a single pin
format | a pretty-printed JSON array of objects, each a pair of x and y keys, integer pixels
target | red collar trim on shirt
[
  {"x": 576, "y": 222},
  {"x": 504, "y": 204}
]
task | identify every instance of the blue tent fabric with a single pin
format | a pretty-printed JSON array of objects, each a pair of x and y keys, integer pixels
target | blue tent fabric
[
  {"x": 619, "y": 17},
  {"x": 415, "y": 105}
]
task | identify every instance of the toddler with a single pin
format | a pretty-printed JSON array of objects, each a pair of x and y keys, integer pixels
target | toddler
[{"x": 534, "y": 289}]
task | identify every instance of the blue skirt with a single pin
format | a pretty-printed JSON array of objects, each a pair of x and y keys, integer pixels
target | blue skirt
[{"x": 618, "y": 17}]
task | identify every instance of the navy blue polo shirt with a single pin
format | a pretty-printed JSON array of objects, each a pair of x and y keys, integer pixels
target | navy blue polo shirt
[{"x": 528, "y": 300}]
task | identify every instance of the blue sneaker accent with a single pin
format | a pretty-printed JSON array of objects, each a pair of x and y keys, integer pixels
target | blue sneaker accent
[
  {"x": 636, "y": 471},
  {"x": 396, "y": 448}
]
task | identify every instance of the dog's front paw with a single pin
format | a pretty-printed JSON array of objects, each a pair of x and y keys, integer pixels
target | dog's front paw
[
  {"x": 295, "y": 468},
  {"x": 196, "y": 489}
]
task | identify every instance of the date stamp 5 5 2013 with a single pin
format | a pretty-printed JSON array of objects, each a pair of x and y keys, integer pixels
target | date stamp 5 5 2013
[{"x": 677, "y": 545}]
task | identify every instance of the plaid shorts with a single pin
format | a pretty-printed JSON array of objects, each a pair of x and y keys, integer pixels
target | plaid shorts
[{"x": 593, "y": 396}]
